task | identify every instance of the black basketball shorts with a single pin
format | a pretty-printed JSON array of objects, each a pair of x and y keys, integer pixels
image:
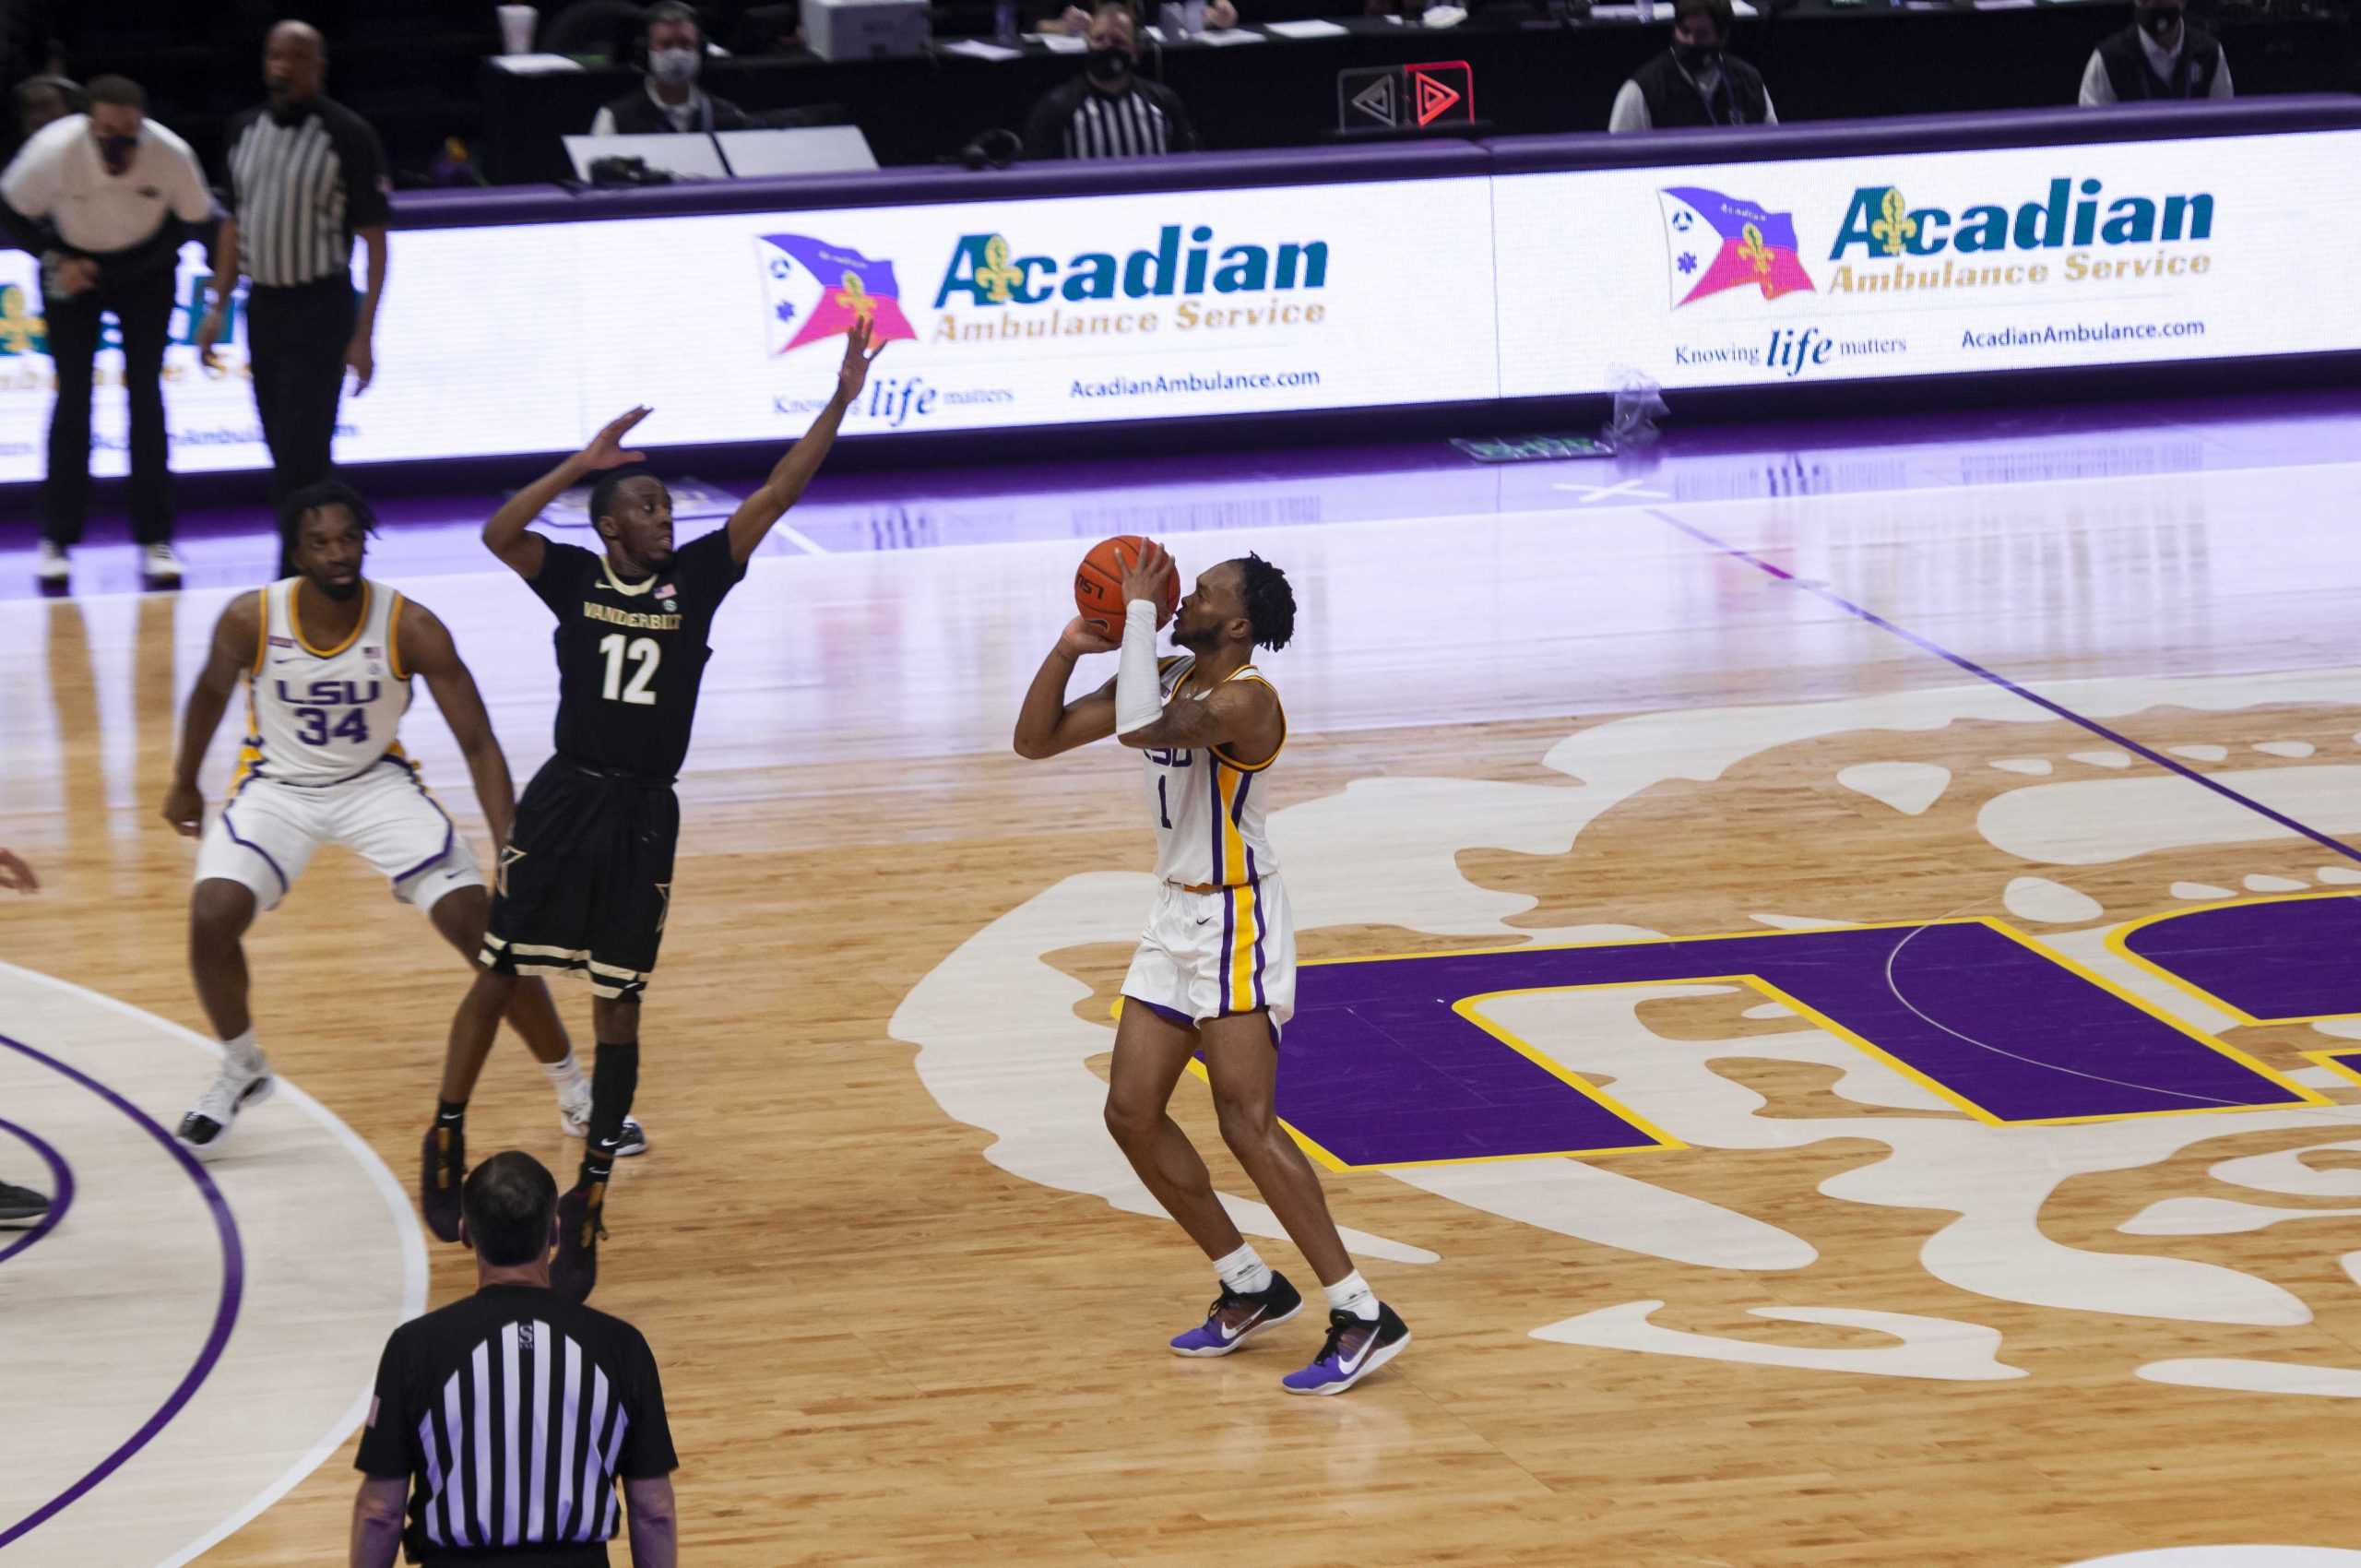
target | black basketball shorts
[{"x": 586, "y": 880}]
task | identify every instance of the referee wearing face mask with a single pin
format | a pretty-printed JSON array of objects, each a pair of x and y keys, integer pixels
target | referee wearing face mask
[
  {"x": 671, "y": 100},
  {"x": 1110, "y": 110},
  {"x": 1697, "y": 81}
]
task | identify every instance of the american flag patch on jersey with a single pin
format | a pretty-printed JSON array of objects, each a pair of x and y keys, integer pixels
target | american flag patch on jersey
[
  {"x": 373, "y": 653},
  {"x": 283, "y": 642}
]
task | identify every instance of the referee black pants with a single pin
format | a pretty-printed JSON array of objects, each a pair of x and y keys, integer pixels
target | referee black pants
[
  {"x": 141, "y": 302},
  {"x": 296, "y": 338}
]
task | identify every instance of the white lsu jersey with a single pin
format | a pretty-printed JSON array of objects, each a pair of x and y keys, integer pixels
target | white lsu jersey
[
  {"x": 317, "y": 716},
  {"x": 1208, "y": 808}
]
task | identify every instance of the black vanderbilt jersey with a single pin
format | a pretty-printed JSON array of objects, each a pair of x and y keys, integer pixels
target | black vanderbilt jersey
[{"x": 631, "y": 654}]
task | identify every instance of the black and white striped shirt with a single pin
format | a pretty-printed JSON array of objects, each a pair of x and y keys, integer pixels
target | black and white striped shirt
[
  {"x": 300, "y": 190},
  {"x": 1076, "y": 121},
  {"x": 514, "y": 1413}
]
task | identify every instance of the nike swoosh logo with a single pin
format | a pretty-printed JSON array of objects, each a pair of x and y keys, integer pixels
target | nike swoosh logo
[
  {"x": 1206, "y": 920},
  {"x": 1229, "y": 1335},
  {"x": 1350, "y": 1366}
]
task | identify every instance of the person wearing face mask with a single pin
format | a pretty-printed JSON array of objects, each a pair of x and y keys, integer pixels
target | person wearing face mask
[
  {"x": 102, "y": 199},
  {"x": 1696, "y": 82},
  {"x": 670, "y": 101},
  {"x": 1110, "y": 111},
  {"x": 307, "y": 176},
  {"x": 2161, "y": 55}
]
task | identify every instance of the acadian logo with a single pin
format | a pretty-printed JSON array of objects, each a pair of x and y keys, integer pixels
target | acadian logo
[
  {"x": 1882, "y": 225},
  {"x": 986, "y": 272}
]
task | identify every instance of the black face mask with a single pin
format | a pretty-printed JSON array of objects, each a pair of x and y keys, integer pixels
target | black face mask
[
  {"x": 2159, "y": 22},
  {"x": 1107, "y": 67},
  {"x": 1696, "y": 58},
  {"x": 117, "y": 151}
]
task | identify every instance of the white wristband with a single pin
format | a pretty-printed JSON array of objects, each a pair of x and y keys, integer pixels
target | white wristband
[{"x": 1139, "y": 696}]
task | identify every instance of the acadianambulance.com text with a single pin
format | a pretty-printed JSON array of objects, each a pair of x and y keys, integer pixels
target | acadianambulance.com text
[
  {"x": 1210, "y": 381},
  {"x": 2105, "y": 332}
]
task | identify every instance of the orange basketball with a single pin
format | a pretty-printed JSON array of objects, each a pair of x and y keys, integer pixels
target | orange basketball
[{"x": 1098, "y": 585}]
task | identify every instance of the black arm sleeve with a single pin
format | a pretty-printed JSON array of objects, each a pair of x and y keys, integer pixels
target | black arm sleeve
[
  {"x": 1045, "y": 127},
  {"x": 385, "y": 1441},
  {"x": 1182, "y": 133},
  {"x": 707, "y": 565},
  {"x": 647, "y": 1444},
  {"x": 363, "y": 158},
  {"x": 567, "y": 571}
]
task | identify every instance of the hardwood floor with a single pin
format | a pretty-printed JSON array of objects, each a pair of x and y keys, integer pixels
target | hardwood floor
[{"x": 908, "y": 1303}]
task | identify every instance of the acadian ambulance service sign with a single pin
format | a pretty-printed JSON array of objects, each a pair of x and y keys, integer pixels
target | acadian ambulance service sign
[
  {"x": 1000, "y": 314},
  {"x": 1058, "y": 313},
  {"x": 1071, "y": 311},
  {"x": 1926, "y": 264}
]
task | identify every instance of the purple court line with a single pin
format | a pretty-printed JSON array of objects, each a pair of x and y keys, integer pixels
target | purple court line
[
  {"x": 233, "y": 1285},
  {"x": 1981, "y": 673},
  {"x": 61, "y": 1177}
]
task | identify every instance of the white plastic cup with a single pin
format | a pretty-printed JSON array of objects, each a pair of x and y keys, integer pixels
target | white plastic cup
[
  {"x": 1193, "y": 16},
  {"x": 516, "y": 28}
]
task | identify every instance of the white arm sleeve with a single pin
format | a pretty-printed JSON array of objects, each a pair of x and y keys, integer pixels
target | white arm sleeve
[{"x": 1139, "y": 696}]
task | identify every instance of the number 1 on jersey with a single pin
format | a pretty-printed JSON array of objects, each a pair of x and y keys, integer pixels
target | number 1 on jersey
[
  {"x": 645, "y": 652},
  {"x": 1163, "y": 810}
]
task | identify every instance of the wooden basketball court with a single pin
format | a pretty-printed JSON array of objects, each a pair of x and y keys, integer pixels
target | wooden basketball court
[{"x": 2070, "y": 1270}]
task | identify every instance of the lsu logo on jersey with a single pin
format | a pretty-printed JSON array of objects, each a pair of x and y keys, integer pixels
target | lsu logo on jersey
[{"x": 327, "y": 694}]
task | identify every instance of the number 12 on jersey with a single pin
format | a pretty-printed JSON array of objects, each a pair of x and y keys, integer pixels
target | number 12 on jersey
[{"x": 643, "y": 653}]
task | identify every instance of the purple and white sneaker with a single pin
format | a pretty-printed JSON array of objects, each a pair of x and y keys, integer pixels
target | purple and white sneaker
[
  {"x": 1236, "y": 1317},
  {"x": 1355, "y": 1347}
]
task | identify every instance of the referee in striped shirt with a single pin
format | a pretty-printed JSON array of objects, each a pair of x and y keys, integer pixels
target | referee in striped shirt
[
  {"x": 1110, "y": 111},
  {"x": 506, "y": 1419},
  {"x": 307, "y": 174}
]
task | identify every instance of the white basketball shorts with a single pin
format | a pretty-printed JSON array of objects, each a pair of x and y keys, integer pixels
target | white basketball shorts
[
  {"x": 1209, "y": 955},
  {"x": 267, "y": 833}
]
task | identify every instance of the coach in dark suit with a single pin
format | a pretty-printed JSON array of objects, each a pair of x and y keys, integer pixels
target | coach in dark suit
[{"x": 554, "y": 1402}]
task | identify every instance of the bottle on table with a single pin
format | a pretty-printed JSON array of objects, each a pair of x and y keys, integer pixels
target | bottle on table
[{"x": 1004, "y": 21}]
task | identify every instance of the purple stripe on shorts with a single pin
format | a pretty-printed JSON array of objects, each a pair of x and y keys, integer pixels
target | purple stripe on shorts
[
  {"x": 238, "y": 838},
  {"x": 1172, "y": 1015}
]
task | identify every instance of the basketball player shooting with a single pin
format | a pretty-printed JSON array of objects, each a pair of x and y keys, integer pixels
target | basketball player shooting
[
  {"x": 585, "y": 883},
  {"x": 326, "y": 658},
  {"x": 1215, "y": 973}
]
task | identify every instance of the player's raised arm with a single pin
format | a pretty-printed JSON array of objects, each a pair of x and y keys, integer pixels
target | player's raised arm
[
  {"x": 508, "y": 535},
  {"x": 758, "y": 511},
  {"x": 427, "y": 650},
  {"x": 237, "y": 648},
  {"x": 1048, "y": 724}
]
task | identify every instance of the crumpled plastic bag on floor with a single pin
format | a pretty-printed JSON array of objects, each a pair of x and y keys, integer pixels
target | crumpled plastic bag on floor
[{"x": 1639, "y": 403}]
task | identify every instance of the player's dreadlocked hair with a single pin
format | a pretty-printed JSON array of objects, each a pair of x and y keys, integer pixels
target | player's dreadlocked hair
[
  {"x": 1270, "y": 603},
  {"x": 326, "y": 492}
]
